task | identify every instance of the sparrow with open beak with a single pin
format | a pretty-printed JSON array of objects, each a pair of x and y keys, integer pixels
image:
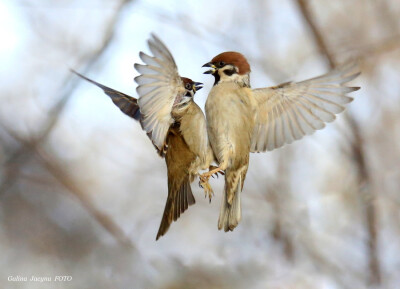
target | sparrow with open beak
[
  {"x": 241, "y": 120},
  {"x": 173, "y": 121}
]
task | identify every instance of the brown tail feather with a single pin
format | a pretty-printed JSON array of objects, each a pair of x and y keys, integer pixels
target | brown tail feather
[{"x": 175, "y": 206}]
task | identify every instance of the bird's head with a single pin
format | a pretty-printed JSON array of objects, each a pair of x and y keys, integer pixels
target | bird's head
[
  {"x": 191, "y": 88},
  {"x": 229, "y": 67}
]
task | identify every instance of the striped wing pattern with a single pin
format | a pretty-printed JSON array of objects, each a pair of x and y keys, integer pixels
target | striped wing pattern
[
  {"x": 159, "y": 85},
  {"x": 289, "y": 111}
]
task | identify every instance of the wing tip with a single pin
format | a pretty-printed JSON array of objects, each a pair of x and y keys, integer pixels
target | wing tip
[
  {"x": 72, "y": 70},
  {"x": 78, "y": 74},
  {"x": 136, "y": 79},
  {"x": 141, "y": 55},
  {"x": 137, "y": 66},
  {"x": 159, "y": 234},
  {"x": 153, "y": 36}
]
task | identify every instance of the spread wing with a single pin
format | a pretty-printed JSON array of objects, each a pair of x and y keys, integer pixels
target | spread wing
[
  {"x": 125, "y": 103},
  {"x": 289, "y": 111},
  {"x": 159, "y": 85}
]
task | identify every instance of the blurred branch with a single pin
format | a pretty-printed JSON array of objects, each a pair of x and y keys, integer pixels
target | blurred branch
[
  {"x": 313, "y": 248},
  {"x": 280, "y": 232},
  {"x": 62, "y": 177},
  {"x": 22, "y": 154},
  {"x": 315, "y": 32},
  {"x": 280, "y": 196},
  {"x": 71, "y": 81},
  {"x": 32, "y": 145},
  {"x": 358, "y": 152},
  {"x": 388, "y": 45}
]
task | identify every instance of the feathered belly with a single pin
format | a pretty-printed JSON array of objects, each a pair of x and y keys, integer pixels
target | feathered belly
[{"x": 229, "y": 129}]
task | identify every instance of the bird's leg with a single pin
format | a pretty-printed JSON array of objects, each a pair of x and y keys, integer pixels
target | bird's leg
[
  {"x": 204, "y": 181},
  {"x": 212, "y": 170},
  {"x": 208, "y": 192},
  {"x": 220, "y": 171}
]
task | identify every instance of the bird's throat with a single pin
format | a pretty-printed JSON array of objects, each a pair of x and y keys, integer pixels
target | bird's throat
[{"x": 217, "y": 77}]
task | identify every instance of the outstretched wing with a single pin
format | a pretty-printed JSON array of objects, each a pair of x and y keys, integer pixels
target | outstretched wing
[
  {"x": 125, "y": 103},
  {"x": 289, "y": 111},
  {"x": 159, "y": 85}
]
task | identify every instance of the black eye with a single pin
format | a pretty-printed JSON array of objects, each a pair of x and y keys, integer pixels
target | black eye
[
  {"x": 221, "y": 64},
  {"x": 188, "y": 86}
]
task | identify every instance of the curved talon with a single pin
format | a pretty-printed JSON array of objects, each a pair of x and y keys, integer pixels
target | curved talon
[
  {"x": 203, "y": 183},
  {"x": 215, "y": 170},
  {"x": 208, "y": 192},
  {"x": 212, "y": 170}
]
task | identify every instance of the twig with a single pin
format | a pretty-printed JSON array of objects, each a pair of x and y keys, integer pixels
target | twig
[
  {"x": 53, "y": 168},
  {"x": 63, "y": 178},
  {"x": 71, "y": 82},
  {"x": 33, "y": 146},
  {"x": 357, "y": 151},
  {"x": 316, "y": 33}
]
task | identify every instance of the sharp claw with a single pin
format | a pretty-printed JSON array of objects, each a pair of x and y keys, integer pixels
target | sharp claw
[{"x": 203, "y": 183}]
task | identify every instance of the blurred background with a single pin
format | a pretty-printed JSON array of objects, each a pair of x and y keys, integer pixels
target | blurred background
[{"x": 82, "y": 190}]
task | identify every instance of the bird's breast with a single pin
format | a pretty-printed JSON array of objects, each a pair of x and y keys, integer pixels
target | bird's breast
[{"x": 230, "y": 118}]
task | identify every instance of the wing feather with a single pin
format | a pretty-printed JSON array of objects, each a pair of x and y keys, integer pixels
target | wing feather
[
  {"x": 127, "y": 104},
  {"x": 158, "y": 86},
  {"x": 289, "y": 111}
]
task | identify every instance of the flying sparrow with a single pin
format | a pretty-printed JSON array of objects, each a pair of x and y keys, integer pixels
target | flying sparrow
[
  {"x": 172, "y": 120},
  {"x": 241, "y": 120}
]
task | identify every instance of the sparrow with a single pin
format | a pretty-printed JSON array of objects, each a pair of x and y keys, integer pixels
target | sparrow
[
  {"x": 241, "y": 120},
  {"x": 172, "y": 120}
]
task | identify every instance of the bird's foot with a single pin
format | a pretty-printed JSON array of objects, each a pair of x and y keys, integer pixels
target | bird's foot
[
  {"x": 211, "y": 171},
  {"x": 216, "y": 171},
  {"x": 208, "y": 191}
]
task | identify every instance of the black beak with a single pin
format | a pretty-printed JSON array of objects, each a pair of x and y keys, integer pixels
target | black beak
[
  {"x": 211, "y": 71},
  {"x": 197, "y": 86}
]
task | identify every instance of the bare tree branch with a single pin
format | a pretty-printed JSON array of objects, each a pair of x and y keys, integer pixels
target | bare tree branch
[
  {"x": 22, "y": 154},
  {"x": 34, "y": 145},
  {"x": 315, "y": 32},
  {"x": 54, "y": 169},
  {"x": 358, "y": 152},
  {"x": 103, "y": 219}
]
